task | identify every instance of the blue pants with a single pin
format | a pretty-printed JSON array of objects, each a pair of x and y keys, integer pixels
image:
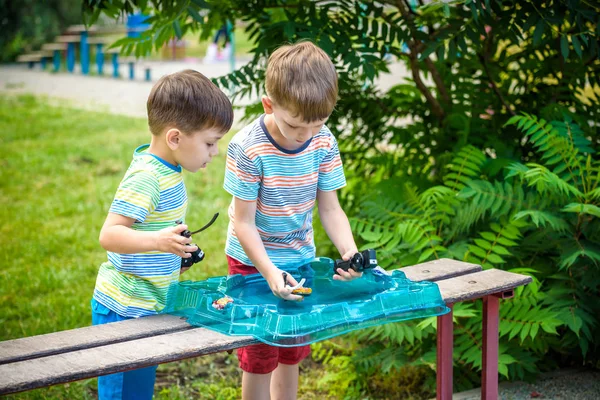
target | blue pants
[{"x": 131, "y": 385}]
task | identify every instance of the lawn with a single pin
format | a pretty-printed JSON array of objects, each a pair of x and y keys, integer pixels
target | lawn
[{"x": 60, "y": 170}]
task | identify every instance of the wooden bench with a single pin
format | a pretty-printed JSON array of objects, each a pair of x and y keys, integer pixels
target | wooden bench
[
  {"x": 99, "y": 42},
  {"x": 71, "y": 41},
  {"x": 56, "y": 49},
  {"x": 31, "y": 59},
  {"x": 66, "y": 356}
]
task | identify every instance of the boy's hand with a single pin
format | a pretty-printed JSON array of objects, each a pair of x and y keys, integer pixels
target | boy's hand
[
  {"x": 278, "y": 286},
  {"x": 350, "y": 274},
  {"x": 169, "y": 240}
]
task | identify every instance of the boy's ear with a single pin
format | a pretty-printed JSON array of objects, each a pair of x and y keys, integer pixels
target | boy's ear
[
  {"x": 173, "y": 138},
  {"x": 267, "y": 105}
]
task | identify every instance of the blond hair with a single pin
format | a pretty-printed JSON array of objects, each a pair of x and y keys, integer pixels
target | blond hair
[
  {"x": 188, "y": 101},
  {"x": 302, "y": 79}
]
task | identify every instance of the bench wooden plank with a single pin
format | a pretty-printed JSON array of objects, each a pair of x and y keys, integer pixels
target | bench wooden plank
[
  {"x": 117, "y": 357},
  {"x": 68, "y": 39},
  {"x": 54, "y": 46},
  {"x": 99, "y": 40},
  {"x": 81, "y": 28},
  {"x": 29, "y": 57},
  {"x": 87, "y": 337},
  {"x": 177, "y": 344},
  {"x": 480, "y": 284},
  {"x": 437, "y": 270}
]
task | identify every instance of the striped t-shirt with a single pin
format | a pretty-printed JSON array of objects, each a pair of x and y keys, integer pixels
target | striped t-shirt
[
  {"x": 153, "y": 193},
  {"x": 284, "y": 185}
]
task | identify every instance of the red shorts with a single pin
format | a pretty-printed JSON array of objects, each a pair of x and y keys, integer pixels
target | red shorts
[{"x": 262, "y": 358}]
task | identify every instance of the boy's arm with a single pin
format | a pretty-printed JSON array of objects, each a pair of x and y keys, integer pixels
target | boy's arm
[
  {"x": 337, "y": 227},
  {"x": 247, "y": 234},
  {"x": 118, "y": 237}
]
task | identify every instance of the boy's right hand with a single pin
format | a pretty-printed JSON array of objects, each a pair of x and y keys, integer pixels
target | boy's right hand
[
  {"x": 279, "y": 287},
  {"x": 169, "y": 240}
]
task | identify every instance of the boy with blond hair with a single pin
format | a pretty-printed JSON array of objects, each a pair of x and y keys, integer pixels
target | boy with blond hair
[
  {"x": 278, "y": 168},
  {"x": 187, "y": 115}
]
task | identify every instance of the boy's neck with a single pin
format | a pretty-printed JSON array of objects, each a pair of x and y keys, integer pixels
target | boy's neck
[
  {"x": 276, "y": 134},
  {"x": 159, "y": 148}
]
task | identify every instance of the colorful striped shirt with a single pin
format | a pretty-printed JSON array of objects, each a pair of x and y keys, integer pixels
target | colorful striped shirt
[
  {"x": 284, "y": 184},
  {"x": 153, "y": 193}
]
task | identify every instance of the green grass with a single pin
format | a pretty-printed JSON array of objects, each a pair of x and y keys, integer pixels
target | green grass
[{"x": 59, "y": 171}]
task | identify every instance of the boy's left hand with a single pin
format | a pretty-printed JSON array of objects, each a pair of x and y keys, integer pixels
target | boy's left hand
[
  {"x": 350, "y": 274},
  {"x": 183, "y": 269}
]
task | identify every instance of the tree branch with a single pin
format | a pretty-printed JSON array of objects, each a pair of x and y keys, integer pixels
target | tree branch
[
  {"x": 437, "y": 78},
  {"x": 494, "y": 86},
  {"x": 435, "y": 105},
  {"x": 414, "y": 45},
  {"x": 483, "y": 58}
]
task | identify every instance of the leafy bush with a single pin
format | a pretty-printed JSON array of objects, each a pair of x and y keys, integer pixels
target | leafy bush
[{"x": 541, "y": 218}]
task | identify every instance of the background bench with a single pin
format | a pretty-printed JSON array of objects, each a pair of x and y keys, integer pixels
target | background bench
[{"x": 60, "y": 357}]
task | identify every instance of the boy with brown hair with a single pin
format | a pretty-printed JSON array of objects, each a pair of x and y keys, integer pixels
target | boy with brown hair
[
  {"x": 278, "y": 168},
  {"x": 187, "y": 115}
]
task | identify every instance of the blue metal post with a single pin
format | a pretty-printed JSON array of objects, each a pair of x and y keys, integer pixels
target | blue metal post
[
  {"x": 43, "y": 62},
  {"x": 84, "y": 49},
  {"x": 131, "y": 70},
  {"x": 115, "y": 63},
  {"x": 70, "y": 57},
  {"x": 148, "y": 74},
  {"x": 232, "y": 44},
  {"x": 99, "y": 58},
  {"x": 56, "y": 60},
  {"x": 31, "y": 64}
]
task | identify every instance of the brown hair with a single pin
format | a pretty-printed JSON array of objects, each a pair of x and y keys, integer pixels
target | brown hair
[
  {"x": 188, "y": 101},
  {"x": 302, "y": 79}
]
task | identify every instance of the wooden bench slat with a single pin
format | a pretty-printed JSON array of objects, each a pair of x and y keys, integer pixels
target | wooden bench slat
[
  {"x": 81, "y": 338},
  {"x": 68, "y": 39},
  {"x": 89, "y": 336},
  {"x": 480, "y": 284},
  {"x": 117, "y": 357},
  {"x": 437, "y": 270}
]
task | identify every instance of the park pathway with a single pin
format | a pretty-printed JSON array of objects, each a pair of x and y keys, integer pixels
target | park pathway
[{"x": 122, "y": 96}]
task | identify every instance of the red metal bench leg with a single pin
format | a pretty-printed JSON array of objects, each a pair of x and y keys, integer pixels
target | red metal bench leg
[
  {"x": 489, "y": 378},
  {"x": 444, "y": 356}
]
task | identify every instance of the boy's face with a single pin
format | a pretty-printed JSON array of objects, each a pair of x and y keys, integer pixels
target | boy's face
[
  {"x": 196, "y": 150},
  {"x": 294, "y": 130}
]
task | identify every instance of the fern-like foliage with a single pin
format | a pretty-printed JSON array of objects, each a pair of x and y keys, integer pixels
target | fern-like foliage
[
  {"x": 465, "y": 166},
  {"x": 542, "y": 219},
  {"x": 561, "y": 145}
]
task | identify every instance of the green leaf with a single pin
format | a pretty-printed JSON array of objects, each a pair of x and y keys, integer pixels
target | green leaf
[
  {"x": 564, "y": 47},
  {"x": 501, "y": 250},
  {"x": 177, "y": 29},
  {"x": 489, "y": 236},
  {"x": 371, "y": 236},
  {"x": 583, "y": 209},
  {"x": 576, "y": 45},
  {"x": 538, "y": 32},
  {"x": 477, "y": 251},
  {"x": 484, "y": 244},
  {"x": 428, "y": 50},
  {"x": 496, "y": 259}
]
